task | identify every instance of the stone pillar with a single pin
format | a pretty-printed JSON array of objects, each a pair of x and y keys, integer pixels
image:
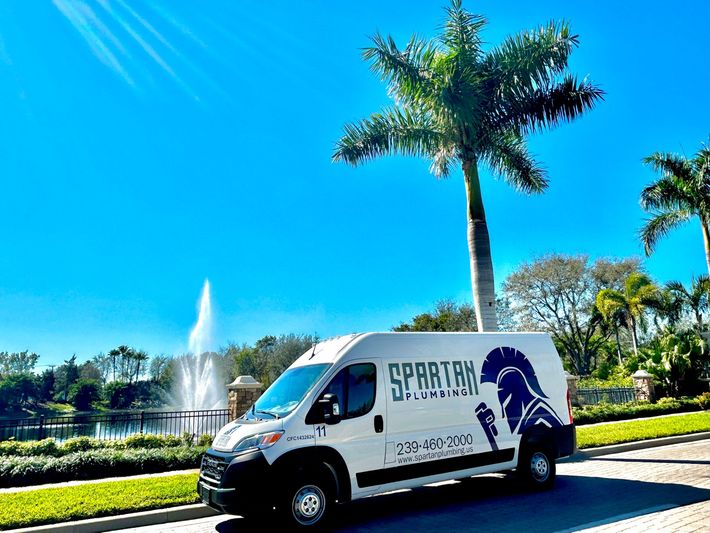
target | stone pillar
[
  {"x": 643, "y": 386},
  {"x": 572, "y": 388},
  {"x": 241, "y": 394}
]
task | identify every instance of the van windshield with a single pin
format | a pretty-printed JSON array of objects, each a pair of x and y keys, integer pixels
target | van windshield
[{"x": 287, "y": 391}]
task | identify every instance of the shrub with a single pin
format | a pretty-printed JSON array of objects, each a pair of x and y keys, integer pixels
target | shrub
[
  {"x": 704, "y": 400},
  {"x": 147, "y": 440},
  {"x": 42, "y": 447},
  {"x": 93, "y": 464},
  {"x": 604, "y": 412},
  {"x": 50, "y": 447},
  {"x": 205, "y": 440},
  {"x": 80, "y": 444}
]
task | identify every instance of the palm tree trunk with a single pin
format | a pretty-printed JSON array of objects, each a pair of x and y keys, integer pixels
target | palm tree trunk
[
  {"x": 479, "y": 250},
  {"x": 634, "y": 338},
  {"x": 618, "y": 344},
  {"x": 706, "y": 240}
]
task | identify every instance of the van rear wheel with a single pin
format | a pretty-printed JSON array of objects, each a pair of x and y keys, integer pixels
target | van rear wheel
[{"x": 537, "y": 468}]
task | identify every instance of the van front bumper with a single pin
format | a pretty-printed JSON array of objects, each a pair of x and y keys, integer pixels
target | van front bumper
[{"x": 234, "y": 484}]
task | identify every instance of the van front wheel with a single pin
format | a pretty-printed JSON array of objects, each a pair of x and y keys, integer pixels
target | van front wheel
[
  {"x": 537, "y": 468},
  {"x": 307, "y": 503}
]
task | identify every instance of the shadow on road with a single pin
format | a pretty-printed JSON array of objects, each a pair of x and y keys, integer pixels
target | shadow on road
[{"x": 497, "y": 502}]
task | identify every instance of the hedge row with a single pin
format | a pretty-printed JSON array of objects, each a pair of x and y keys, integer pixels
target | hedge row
[
  {"x": 604, "y": 412},
  {"x": 18, "y": 471},
  {"x": 50, "y": 447}
]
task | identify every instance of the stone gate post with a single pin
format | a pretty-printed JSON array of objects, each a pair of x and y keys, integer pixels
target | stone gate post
[
  {"x": 572, "y": 388},
  {"x": 643, "y": 386},
  {"x": 241, "y": 394}
]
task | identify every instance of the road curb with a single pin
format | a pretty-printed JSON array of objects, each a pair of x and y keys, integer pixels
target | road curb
[
  {"x": 587, "y": 453},
  {"x": 140, "y": 519}
]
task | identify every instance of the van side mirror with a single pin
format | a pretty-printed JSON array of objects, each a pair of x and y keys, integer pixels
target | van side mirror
[{"x": 331, "y": 408}]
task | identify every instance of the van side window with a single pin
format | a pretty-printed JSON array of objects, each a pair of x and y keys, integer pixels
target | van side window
[{"x": 355, "y": 387}]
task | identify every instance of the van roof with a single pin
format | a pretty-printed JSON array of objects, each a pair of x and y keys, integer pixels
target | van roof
[{"x": 413, "y": 344}]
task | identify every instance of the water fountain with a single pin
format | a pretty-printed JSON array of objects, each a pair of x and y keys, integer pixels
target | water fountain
[{"x": 198, "y": 384}]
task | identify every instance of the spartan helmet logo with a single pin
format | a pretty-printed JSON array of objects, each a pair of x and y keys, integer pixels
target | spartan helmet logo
[{"x": 520, "y": 395}]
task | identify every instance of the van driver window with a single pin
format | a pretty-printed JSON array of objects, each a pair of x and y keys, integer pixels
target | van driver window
[{"x": 355, "y": 388}]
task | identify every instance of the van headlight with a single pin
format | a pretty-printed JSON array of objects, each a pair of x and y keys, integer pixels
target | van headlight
[{"x": 260, "y": 441}]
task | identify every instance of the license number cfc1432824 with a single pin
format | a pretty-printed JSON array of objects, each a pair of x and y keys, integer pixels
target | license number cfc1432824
[{"x": 434, "y": 443}]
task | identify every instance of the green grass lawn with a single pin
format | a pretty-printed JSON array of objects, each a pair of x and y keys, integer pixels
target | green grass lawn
[
  {"x": 635, "y": 430},
  {"x": 49, "y": 506}
]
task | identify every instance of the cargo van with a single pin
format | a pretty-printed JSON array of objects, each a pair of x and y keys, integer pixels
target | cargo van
[{"x": 369, "y": 413}]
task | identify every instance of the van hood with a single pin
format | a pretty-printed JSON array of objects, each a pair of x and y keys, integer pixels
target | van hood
[{"x": 230, "y": 435}]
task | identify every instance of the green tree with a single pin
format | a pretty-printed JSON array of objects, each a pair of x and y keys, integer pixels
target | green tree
[
  {"x": 66, "y": 375},
  {"x": 124, "y": 354},
  {"x": 447, "y": 316},
  {"x": 159, "y": 369},
  {"x": 696, "y": 299},
  {"x": 679, "y": 357},
  {"x": 17, "y": 391},
  {"x": 119, "y": 395},
  {"x": 139, "y": 357},
  {"x": 682, "y": 192},
  {"x": 46, "y": 385},
  {"x": 88, "y": 370},
  {"x": 17, "y": 363},
  {"x": 556, "y": 293},
  {"x": 456, "y": 103},
  {"x": 103, "y": 363},
  {"x": 639, "y": 293},
  {"x": 84, "y": 392}
]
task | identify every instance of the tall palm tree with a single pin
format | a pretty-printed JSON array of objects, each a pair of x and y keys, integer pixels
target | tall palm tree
[
  {"x": 682, "y": 192},
  {"x": 696, "y": 298},
  {"x": 629, "y": 304},
  {"x": 456, "y": 103}
]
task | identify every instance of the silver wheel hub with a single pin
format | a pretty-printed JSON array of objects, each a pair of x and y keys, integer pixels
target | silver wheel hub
[
  {"x": 308, "y": 504},
  {"x": 539, "y": 466}
]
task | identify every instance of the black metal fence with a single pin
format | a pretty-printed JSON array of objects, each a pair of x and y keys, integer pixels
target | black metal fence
[
  {"x": 611, "y": 395},
  {"x": 115, "y": 426}
]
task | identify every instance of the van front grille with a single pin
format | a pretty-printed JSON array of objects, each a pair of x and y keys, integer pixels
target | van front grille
[{"x": 213, "y": 467}]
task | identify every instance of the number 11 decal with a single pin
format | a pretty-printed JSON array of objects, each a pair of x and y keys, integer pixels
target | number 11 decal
[{"x": 321, "y": 431}]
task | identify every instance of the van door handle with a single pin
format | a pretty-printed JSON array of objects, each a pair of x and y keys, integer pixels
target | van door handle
[{"x": 379, "y": 424}]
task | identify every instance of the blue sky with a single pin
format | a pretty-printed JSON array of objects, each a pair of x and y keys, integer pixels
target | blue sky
[{"x": 148, "y": 145}]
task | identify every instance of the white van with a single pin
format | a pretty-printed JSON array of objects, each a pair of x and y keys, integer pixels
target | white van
[{"x": 374, "y": 412}]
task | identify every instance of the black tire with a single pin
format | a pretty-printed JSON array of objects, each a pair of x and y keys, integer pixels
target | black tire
[
  {"x": 308, "y": 503},
  {"x": 537, "y": 468}
]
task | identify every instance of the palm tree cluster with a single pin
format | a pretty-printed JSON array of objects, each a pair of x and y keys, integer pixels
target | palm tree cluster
[{"x": 459, "y": 104}]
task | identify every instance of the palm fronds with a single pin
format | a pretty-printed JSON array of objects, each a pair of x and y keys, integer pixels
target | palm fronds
[{"x": 393, "y": 131}]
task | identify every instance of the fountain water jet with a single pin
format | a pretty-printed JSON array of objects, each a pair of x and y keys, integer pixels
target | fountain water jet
[{"x": 198, "y": 384}]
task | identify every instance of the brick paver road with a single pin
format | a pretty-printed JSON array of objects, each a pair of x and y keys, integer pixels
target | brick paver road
[{"x": 658, "y": 489}]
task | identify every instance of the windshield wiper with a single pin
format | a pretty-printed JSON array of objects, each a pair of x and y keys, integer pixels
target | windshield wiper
[{"x": 254, "y": 410}]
